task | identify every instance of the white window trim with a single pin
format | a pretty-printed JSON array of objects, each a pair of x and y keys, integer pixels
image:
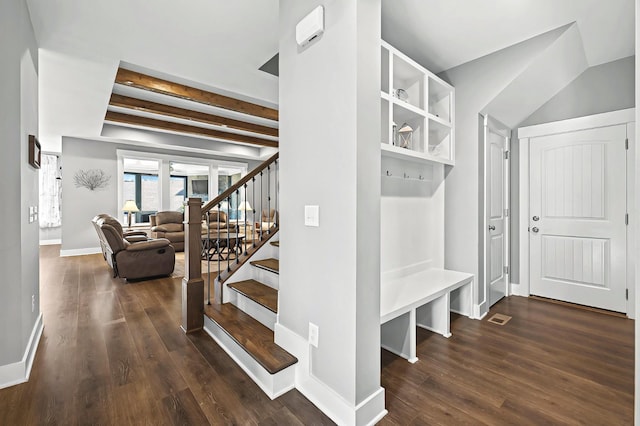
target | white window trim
[{"x": 163, "y": 171}]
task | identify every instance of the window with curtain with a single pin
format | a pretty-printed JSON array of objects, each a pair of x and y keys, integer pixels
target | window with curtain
[{"x": 50, "y": 212}]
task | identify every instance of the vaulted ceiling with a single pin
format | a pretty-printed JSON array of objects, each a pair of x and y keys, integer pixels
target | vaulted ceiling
[{"x": 217, "y": 47}]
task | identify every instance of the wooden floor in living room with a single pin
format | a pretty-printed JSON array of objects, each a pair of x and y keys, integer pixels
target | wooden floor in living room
[{"x": 112, "y": 353}]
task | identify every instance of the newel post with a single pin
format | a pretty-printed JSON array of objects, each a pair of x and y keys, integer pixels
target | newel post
[{"x": 192, "y": 283}]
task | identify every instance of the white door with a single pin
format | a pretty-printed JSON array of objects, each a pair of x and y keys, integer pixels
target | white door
[
  {"x": 497, "y": 203},
  {"x": 577, "y": 217}
]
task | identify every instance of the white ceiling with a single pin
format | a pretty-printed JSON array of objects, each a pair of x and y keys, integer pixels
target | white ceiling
[
  {"x": 219, "y": 44},
  {"x": 441, "y": 34}
]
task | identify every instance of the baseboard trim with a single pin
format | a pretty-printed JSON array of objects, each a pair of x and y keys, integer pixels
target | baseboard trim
[
  {"x": 50, "y": 242},
  {"x": 19, "y": 372},
  {"x": 368, "y": 412},
  {"x": 518, "y": 290},
  {"x": 480, "y": 311},
  {"x": 80, "y": 252}
]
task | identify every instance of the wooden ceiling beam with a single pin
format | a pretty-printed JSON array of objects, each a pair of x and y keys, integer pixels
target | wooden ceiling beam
[
  {"x": 186, "y": 114},
  {"x": 169, "y": 88},
  {"x": 118, "y": 117}
]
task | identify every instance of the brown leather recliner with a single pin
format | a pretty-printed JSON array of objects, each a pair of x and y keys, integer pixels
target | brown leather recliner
[
  {"x": 169, "y": 225},
  {"x": 133, "y": 260},
  {"x": 218, "y": 220},
  {"x": 130, "y": 236}
]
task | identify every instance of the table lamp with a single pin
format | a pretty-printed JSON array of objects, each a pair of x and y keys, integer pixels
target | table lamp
[
  {"x": 130, "y": 207},
  {"x": 245, "y": 207}
]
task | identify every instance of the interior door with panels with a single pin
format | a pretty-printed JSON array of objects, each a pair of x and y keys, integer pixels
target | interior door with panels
[
  {"x": 497, "y": 203},
  {"x": 577, "y": 217}
]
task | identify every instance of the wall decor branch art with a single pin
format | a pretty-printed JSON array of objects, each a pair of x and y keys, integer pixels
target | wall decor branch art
[{"x": 91, "y": 179}]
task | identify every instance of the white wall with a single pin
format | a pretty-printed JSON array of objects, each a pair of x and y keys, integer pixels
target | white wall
[
  {"x": 637, "y": 220},
  {"x": 19, "y": 256},
  {"x": 330, "y": 157},
  {"x": 80, "y": 205},
  {"x": 411, "y": 216}
]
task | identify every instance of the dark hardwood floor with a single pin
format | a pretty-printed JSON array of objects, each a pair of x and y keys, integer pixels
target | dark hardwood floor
[
  {"x": 113, "y": 354},
  {"x": 549, "y": 365}
]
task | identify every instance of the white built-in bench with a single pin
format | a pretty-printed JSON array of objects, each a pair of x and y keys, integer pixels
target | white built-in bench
[{"x": 424, "y": 299}]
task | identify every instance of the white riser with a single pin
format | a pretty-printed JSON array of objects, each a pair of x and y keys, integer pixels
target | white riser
[
  {"x": 265, "y": 277},
  {"x": 256, "y": 310},
  {"x": 273, "y": 385}
]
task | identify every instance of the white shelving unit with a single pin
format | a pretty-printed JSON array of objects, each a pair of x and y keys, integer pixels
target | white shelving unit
[{"x": 426, "y": 105}]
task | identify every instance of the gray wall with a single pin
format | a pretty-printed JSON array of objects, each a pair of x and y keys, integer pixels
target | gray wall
[
  {"x": 80, "y": 205},
  {"x": 19, "y": 257},
  {"x": 329, "y": 96},
  {"x": 603, "y": 88},
  {"x": 477, "y": 83}
]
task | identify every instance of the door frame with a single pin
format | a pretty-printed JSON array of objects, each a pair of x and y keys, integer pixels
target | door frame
[
  {"x": 504, "y": 131},
  {"x": 626, "y": 117}
]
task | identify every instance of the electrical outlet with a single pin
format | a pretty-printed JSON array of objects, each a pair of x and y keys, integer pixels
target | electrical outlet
[
  {"x": 313, "y": 334},
  {"x": 33, "y": 303}
]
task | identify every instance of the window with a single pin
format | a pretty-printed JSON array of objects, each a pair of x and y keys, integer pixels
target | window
[
  {"x": 50, "y": 192},
  {"x": 141, "y": 184},
  {"x": 188, "y": 180},
  {"x": 177, "y": 192},
  {"x": 161, "y": 182},
  {"x": 227, "y": 176}
]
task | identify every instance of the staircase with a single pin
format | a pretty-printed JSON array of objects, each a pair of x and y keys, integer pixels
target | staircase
[
  {"x": 243, "y": 325},
  {"x": 242, "y": 304}
]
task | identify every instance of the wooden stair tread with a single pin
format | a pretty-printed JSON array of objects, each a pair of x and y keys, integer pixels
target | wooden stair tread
[
  {"x": 258, "y": 292},
  {"x": 272, "y": 265},
  {"x": 251, "y": 335},
  {"x": 275, "y": 243}
]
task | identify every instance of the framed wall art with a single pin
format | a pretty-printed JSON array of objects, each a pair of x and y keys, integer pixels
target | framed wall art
[{"x": 34, "y": 152}]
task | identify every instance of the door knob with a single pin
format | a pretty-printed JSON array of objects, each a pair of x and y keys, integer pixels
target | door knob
[
  {"x": 534, "y": 229},
  {"x": 536, "y": 218},
  {"x": 492, "y": 228}
]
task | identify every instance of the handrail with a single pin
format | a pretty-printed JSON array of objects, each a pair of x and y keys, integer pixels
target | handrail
[{"x": 233, "y": 188}]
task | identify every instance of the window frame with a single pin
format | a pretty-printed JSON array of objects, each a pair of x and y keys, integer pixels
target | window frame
[{"x": 164, "y": 174}]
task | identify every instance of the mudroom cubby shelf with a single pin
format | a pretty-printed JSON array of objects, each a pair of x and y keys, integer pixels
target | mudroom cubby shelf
[{"x": 417, "y": 110}]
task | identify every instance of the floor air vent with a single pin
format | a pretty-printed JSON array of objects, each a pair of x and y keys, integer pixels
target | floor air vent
[{"x": 499, "y": 319}]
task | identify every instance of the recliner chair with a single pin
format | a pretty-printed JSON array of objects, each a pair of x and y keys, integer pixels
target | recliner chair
[
  {"x": 130, "y": 236},
  {"x": 169, "y": 225},
  {"x": 133, "y": 260}
]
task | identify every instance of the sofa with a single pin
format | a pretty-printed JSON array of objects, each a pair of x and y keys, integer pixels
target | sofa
[
  {"x": 169, "y": 225},
  {"x": 142, "y": 258}
]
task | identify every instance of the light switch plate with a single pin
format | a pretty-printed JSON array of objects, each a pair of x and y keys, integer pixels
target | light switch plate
[
  {"x": 314, "y": 332},
  {"x": 312, "y": 215}
]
